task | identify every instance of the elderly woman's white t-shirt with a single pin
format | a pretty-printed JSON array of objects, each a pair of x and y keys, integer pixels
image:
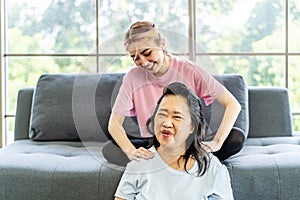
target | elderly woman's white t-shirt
[{"x": 154, "y": 180}]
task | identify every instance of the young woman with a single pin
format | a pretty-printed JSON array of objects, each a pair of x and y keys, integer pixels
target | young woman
[
  {"x": 181, "y": 168},
  {"x": 142, "y": 86}
]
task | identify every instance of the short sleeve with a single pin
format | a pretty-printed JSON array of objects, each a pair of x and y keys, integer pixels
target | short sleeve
[
  {"x": 206, "y": 86},
  {"x": 127, "y": 188},
  {"x": 222, "y": 187}
]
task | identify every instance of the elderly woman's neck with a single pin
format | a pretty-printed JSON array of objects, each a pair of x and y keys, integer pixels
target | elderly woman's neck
[{"x": 174, "y": 158}]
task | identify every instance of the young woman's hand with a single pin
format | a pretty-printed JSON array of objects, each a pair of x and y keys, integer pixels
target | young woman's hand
[
  {"x": 140, "y": 153},
  {"x": 212, "y": 146}
]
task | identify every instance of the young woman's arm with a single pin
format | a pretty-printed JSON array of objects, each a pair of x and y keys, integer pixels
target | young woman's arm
[
  {"x": 116, "y": 130},
  {"x": 232, "y": 110}
]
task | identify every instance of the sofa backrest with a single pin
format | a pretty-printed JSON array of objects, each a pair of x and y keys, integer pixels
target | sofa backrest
[
  {"x": 238, "y": 88},
  {"x": 269, "y": 112},
  {"x": 78, "y": 106},
  {"x": 23, "y": 113},
  {"x": 72, "y": 106}
]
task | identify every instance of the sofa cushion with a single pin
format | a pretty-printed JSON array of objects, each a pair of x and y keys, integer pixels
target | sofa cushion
[
  {"x": 267, "y": 168},
  {"x": 72, "y": 107},
  {"x": 56, "y": 170},
  {"x": 214, "y": 113},
  {"x": 269, "y": 112}
]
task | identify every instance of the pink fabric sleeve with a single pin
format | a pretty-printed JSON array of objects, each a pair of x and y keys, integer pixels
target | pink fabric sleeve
[{"x": 206, "y": 86}]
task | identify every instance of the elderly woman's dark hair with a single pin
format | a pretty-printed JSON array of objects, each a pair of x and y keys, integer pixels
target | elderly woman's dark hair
[{"x": 194, "y": 144}]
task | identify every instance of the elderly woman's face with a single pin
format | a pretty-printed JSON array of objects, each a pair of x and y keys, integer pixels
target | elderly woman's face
[{"x": 172, "y": 122}]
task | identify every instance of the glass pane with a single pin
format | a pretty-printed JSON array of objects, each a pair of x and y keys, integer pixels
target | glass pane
[
  {"x": 294, "y": 25},
  {"x": 241, "y": 25},
  {"x": 256, "y": 70},
  {"x": 24, "y": 72},
  {"x": 9, "y": 126},
  {"x": 115, "y": 64},
  {"x": 294, "y": 83},
  {"x": 48, "y": 26},
  {"x": 115, "y": 17},
  {"x": 296, "y": 124}
]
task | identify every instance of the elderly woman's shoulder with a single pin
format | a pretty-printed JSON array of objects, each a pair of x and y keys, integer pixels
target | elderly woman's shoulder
[
  {"x": 215, "y": 165},
  {"x": 146, "y": 166}
]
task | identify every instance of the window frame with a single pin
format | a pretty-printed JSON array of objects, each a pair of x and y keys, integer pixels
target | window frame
[{"x": 192, "y": 54}]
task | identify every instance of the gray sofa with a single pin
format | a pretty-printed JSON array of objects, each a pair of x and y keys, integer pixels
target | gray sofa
[{"x": 61, "y": 126}]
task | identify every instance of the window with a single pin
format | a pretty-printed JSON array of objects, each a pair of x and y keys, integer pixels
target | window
[{"x": 257, "y": 39}]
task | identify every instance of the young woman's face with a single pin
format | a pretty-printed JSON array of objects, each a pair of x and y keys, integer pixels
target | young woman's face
[
  {"x": 172, "y": 122},
  {"x": 147, "y": 56}
]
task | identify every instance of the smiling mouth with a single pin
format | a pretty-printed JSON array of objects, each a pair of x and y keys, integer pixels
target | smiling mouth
[{"x": 150, "y": 66}]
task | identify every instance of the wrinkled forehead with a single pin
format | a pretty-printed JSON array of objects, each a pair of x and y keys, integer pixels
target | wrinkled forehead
[
  {"x": 141, "y": 45},
  {"x": 174, "y": 102}
]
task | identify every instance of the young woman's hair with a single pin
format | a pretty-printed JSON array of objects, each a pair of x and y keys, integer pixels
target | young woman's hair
[
  {"x": 143, "y": 30},
  {"x": 194, "y": 141}
]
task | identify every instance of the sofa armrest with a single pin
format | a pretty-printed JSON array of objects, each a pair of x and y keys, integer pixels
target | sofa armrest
[
  {"x": 269, "y": 112},
  {"x": 23, "y": 113}
]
